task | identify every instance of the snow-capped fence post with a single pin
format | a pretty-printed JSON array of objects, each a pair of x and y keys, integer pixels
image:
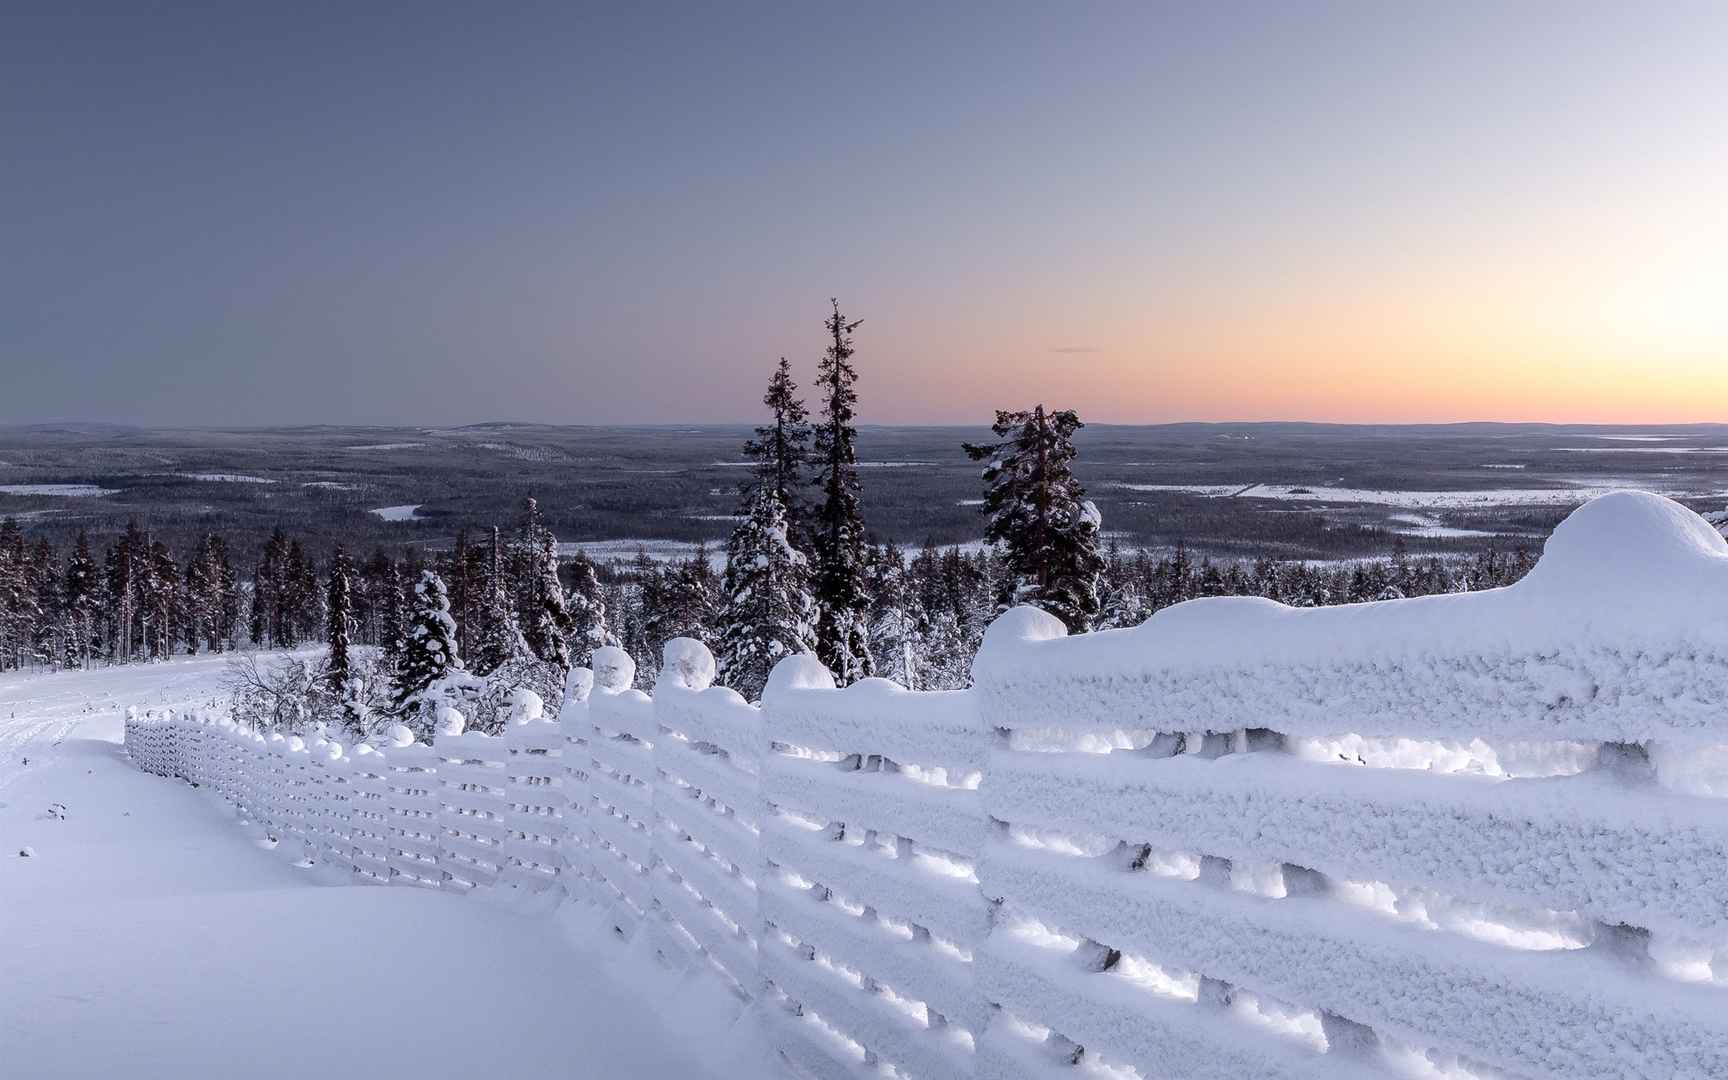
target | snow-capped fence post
[
  {"x": 707, "y": 801},
  {"x": 369, "y": 817},
  {"x": 471, "y": 781},
  {"x": 578, "y": 873},
  {"x": 872, "y": 824},
  {"x": 416, "y": 832},
  {"x": 620, "y": 779},
  {"x": 534, "y": 766}
]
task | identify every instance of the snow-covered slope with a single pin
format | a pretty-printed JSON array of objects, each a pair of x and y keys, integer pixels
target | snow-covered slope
[{"x": 148, "y": 936}]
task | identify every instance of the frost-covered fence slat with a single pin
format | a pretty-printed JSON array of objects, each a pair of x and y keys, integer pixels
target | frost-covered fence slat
[
  {"x": 620, "y": 783},
  {"x": 869, "y": 896},
  {"x": 573, "y": 722},
  {"x": 707, "y": 802},
  {"x": 473, "y": 808},
  {"x": 1247, "y": 840},
  {"x": 533, "y": 854},
  {"x": 416, "y": 811}
]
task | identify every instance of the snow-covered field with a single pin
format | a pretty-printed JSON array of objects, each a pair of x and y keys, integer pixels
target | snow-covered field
[
  {"x": 65, "y": 491},
  {"x": 1469, "y": 499},
  {"x": 405, "y": 512},
  {"x": 147, "y": 935}
]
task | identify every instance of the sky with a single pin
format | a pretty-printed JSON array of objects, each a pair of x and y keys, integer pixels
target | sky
[{"x": 580, "y": 213}]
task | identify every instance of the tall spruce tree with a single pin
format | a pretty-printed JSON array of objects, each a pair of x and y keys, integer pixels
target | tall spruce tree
[
  {"x": 837, "y": 527},
  {"x": 343, "y": 677},
  {"x": 780, "y": 450},
  {"x": 339, "y": 620},
  {"x": 684, "y": 602},
  {"x": 769, "y": 612},
  {"x": 82, "y": 599},
  {"x": 586, "y": 605},
  {"x": 1039, "y": 515},
  {"x": 541, "y": 610},
  {"x": 497, "y": 638}
]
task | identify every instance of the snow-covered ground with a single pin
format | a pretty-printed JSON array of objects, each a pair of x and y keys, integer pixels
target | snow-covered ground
[
  {"x": 1472, "y": 499},
  {"x": 406, "y": 512},
  {"x": 149, "y": 936},
  {"x": 65, "y": 491}
]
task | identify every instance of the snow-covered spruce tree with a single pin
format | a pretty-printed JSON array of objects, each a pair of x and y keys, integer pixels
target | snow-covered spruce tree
[
  {"x": 393, "y": 613},
  {"x": 837, "y": 527},
  {"x": 429, "y": 651},
  {"x": 769, "y": 612},
  {"x": 1039, "y": 514},
  {"x": 779, "y": 450},
  {"x": 685, "y": 603},
  {"x": 339, "y": 669},
  {"x": 587, "y": 607},
  {"x": 81, "y": 600},
  {"x": 899, "y": 640},
  {"x": 540, "y": 608},
  {"x": 497, "y": 639}
]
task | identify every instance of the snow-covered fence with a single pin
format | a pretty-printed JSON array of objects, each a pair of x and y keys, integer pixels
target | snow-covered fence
[
  {"x": 535, "y": 798},
  {"x": 707, "y": 801},
  {"x": 472, "y": 776},
  {"x": 413, "y": 803},
  {"x": 619, "y": 792},
  {"x": 1479, "y": 835},
  {"x": 870, "y": 898},
  {"x": 1246, "y": 840}
]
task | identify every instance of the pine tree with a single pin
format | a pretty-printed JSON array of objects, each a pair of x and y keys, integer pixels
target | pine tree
[
  {"x": 540, "y": 604},
  {"x": 429, "y": 651},
  {"x": 50, "y": 640},
  {"x": 393, "y": 614},
  {"x": 1039, "y": 515},
  {"x": 497, "y": 638},
  {"x": 769, "y": 612},
  {"x": 17, "y": 598},
  {"x": 837, "y": 528},
  {"x": 339, "y": 619},
  {"x": 587, "y": 607},
  {"x": 684, "y": 603},
  {"x": 82, "y": 600},
  {"x": 339, "y": 668},
  {"x": 467, "y": 591},
  {"x": 780, "y": 449},
  {"x": 269, "y": 586}
]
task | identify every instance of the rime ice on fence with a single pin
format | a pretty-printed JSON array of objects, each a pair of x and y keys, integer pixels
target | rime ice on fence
[
  {"x": 869, "y": 898},
  {"x": 1437, "y": 836},
  {"x": 1183, "y": 858},
  {"x": 707, "y": 801},
  {"x": 535, "y": 797},
  {"x": 621, "y": 774}
]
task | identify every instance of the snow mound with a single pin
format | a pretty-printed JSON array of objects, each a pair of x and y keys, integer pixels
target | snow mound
[
  {"x": 1633, "y": 542},
  {"x": 800, "y": 672},
  {"x": 614, "y": 670},
  {"x": 688, "y": 663}
]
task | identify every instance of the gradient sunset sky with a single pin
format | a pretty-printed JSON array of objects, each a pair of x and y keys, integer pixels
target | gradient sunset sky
[{"x": 240, "y": 214}]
